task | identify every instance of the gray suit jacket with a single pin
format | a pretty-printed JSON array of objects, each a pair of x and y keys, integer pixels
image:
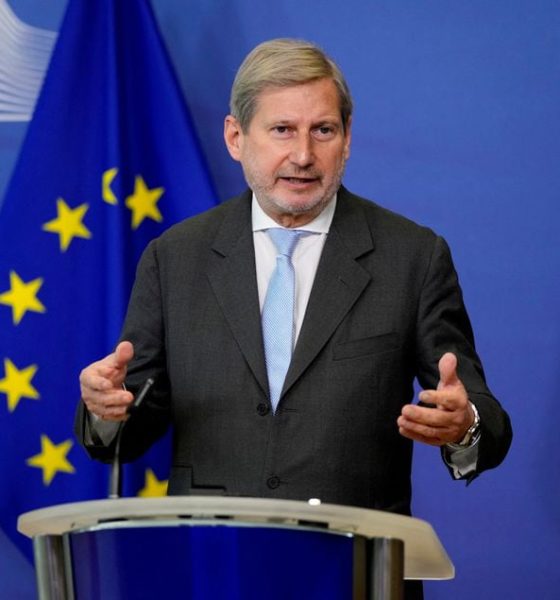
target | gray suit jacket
[{"x": 385, "y": 305}]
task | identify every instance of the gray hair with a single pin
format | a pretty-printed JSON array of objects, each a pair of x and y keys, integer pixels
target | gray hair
[{"x": 283, "y": 63}]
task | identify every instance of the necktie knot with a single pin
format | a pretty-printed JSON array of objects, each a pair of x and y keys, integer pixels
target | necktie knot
[{"x": 285, "y": 240}]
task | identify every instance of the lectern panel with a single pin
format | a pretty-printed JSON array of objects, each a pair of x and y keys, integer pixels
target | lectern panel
[{"x": 196, "y": 561}]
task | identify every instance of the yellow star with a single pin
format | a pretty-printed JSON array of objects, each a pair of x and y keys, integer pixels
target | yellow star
[
  {"x": 106, "y": 181},
  {"x": 22, "y": 297},
  {"x": 153, "y": 488},
  {"x": 143, "y": 203},
  {"x": 17, "y": 384},
  {"x": 52, "y": 459},
  {"x": 68, "y": 224}
]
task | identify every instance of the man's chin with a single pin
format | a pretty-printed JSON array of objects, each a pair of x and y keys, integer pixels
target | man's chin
[{"x": 300, "y": 205}]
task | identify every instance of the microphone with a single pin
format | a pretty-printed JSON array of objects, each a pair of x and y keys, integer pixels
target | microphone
[{"x": 115, "y": 479}]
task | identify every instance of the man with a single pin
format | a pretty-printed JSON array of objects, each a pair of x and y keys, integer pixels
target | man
[{"x": 376, "y": 303}]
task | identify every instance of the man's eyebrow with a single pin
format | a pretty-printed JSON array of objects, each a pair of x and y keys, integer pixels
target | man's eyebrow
[
  {"x": 279, "y": 121},
  {"x": 333, "y": 121}
]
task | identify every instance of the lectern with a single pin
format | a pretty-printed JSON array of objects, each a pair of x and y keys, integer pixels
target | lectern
[{"x": 227, "y": 548}]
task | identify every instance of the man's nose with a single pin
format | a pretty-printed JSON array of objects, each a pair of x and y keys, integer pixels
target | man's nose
[{"x": 302, "y": 153}]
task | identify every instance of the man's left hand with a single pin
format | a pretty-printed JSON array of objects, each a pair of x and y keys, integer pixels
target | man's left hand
[{"x": 451, "y": 415}]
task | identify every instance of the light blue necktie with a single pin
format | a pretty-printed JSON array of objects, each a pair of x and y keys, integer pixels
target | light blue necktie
[{"x": 278, "y": 312}]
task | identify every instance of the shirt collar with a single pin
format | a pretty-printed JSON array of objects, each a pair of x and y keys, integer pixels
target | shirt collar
[{"x": 320, "y": 224}]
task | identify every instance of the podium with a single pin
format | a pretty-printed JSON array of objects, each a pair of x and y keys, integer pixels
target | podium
[{"x": 221, "y": 548}]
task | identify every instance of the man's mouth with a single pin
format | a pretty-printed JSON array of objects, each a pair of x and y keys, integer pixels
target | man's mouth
[{"x": 299, "y": 180}]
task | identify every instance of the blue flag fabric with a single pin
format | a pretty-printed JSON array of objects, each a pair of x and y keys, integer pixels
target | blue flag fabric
[{"x": 110, "y": 161}]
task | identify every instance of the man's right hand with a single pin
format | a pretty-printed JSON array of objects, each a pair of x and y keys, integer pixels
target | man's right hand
[{"x": 101, "y": 384}]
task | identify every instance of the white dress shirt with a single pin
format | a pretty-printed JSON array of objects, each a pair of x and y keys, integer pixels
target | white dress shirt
[{"x": 305, "y": 258}]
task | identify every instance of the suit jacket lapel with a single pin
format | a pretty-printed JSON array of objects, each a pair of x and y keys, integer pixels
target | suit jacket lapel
[
  {"x": 339, "y": 282},
  {"x": 232, "y": 275}
]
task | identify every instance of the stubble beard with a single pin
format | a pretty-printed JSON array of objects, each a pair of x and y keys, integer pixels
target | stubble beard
[{"x": 264, "y": 191}]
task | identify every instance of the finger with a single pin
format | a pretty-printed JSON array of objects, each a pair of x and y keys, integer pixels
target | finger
[
  {"x": 448, "y": 370},
  {"x": 97, "y": 401},
  {"x": 432, "y": 417},
  {"x": 433, "y": 435},
  {"x": 411, "y": 432},
  {"x": 92, "y": 382},
  {"x": 112, "y": 368},
  {"x": 101, "y": 376},
  {"x": 112, "y": 398},
  {"x": 106, "y": 368},
  {"x": 123, "y": 354},
  {"x": 427, "y": 431},
  {"x": 448, "y": 399},
  {"x": 113, "y": 414},
  {"x": 119, "y": 358},
  {"x": 433, "y": 423}
]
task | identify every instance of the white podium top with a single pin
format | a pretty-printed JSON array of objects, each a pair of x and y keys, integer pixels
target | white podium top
[{"x": 424, "y": 555}]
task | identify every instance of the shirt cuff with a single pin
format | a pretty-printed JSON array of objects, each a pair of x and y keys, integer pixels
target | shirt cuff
[
  {"x": 462, "y": 461},
  {"x": 99, "y": 432}
]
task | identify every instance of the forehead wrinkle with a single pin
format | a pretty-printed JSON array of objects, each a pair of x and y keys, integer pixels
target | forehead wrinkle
[{"x": 298, "y": 99}]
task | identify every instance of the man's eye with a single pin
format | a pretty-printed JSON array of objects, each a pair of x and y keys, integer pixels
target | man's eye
[
  {"x": 325, "y": 131},
  {"x": 281, "y": 129}
]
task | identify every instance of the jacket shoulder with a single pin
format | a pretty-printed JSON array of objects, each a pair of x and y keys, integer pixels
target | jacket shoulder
[
  {"x": 203, "y": 228},
  {"x": 383, "y": 223}
]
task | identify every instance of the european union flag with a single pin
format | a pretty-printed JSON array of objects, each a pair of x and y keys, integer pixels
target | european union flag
[{"x": 110, "y": 160}]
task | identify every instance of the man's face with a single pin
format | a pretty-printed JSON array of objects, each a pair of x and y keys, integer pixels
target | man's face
[{"x": 294, "y": 150}]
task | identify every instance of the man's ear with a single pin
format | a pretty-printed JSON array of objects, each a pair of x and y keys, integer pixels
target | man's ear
[
  {"x": 348, "y": 137},
  {"x": 233, "y": 137}
]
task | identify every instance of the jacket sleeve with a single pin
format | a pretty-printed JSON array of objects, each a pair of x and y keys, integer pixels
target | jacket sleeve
[
  {"x": 444, "y": 326},
  {"x": 144, "y": 327}
]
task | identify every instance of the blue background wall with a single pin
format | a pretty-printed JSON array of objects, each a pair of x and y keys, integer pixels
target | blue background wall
[{"x": 456, "y": 126}]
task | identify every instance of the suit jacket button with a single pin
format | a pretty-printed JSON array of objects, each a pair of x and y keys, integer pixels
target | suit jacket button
[
  {"x": 273, "y": 482},
  {"x": 263, "y": 409}
]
